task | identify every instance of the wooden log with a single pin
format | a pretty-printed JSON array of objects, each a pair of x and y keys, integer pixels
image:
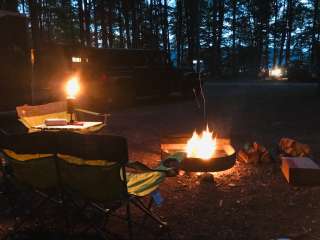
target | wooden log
[{"x": 300, "y": 171}]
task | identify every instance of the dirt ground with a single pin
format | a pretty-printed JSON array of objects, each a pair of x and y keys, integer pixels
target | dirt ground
[{"x": 247, "y": 201}]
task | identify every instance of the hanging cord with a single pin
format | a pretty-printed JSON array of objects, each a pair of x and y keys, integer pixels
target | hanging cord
[
  {"x": 205, "y": 117},
  {"x": 198, "y": 101}
]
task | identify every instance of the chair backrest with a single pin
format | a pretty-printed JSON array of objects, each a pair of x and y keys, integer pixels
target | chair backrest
[
  {"x": 93, "y": 165},
  {"x": 10, "y": 123},
  {"x": 32, "y": 116},
  {"x": 32, "y": 159}
]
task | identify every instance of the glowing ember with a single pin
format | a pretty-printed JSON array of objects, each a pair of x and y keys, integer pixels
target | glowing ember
[
  {"x": 72, "y": 87},
  {"x": 201, "y": 146}
]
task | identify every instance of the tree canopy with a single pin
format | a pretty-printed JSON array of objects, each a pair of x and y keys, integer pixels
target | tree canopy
[{"x": 233, "y": 35}]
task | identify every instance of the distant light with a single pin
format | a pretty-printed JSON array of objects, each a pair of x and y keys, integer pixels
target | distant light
[
  {"x": 275, "y": 72},
  {"x": 76, "y": 59},
  {"x": 196, "y": 61},
  {"x": 32, "y": 55}
]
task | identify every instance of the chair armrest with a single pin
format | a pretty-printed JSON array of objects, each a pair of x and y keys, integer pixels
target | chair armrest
[
  {"x": 139, "y": 166},
  {"x": 93, "y": 114},
  {"x": 10, "y": 123},
  {"x": 3, "y": 132}
]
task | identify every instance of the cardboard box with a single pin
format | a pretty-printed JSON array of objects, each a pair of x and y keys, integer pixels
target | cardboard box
[{"x": 300, "y": 171}]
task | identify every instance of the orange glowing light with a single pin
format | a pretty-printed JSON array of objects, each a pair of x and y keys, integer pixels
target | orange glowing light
[
  {"x": 201, "y": 146},
  {"x": 72, "y": 87},
  {"x": 276, "y": 72}
]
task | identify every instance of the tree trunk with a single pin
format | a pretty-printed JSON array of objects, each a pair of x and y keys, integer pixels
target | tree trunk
[
  {"x": 283, "y": 38},
  {"x": 178, "y": 30},
  {"x": 81, "y": 22},
  {"x": 266, "y": 23},
  {"x": 110, "y": 23},
  {"x": 234, "y": 13},
  {"x": 150, "y": 41},
  {"x": 289, "y": 30},
  {"x": 87, "y": 10},
  {"x": 102, "y": 17},
  {"x": 120, "y": 21},
  {"x": 135, "y": 36},
  {"x": 214, "y": 38},
  {"x": 163, "y": 26},
  {"x": 95, "y": 22},
  {"x": 141, "y": 23},
  {"x": 191, "y": 24},
  {"x": 23, "y": 5},
  {"x": 127, "y": 22},
  {"x": 219, "y": 39},
  {"x": 156, "y": 29},
  {"x": 34, "y": 15},
  {"x": 315, "y": 25},
  {"x": 266, "y": 44},
  {"x": 41, "y": 18},
  {"x": 47, "y": 19},
  {"x": 166, "y": 43},
  {"x": 274, "y": 62},
  {"x": 67, "y": 25}
]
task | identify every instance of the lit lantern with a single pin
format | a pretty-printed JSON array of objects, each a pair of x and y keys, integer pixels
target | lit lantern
[{"x": 72, "y": 89}]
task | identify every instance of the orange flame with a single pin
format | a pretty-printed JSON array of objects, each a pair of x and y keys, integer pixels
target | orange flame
[
  {"x": 201, "y": 146},
  {"x": 72, "y": 87}
]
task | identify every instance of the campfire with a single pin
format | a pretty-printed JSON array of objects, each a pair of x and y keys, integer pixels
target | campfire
[
  {"x": 203, "y": 152},
  {"x": 201, "y": 146}
]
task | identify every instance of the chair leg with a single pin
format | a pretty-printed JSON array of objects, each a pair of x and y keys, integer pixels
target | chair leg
[
  {"x": 147, "y": 211},
  {"x": 145, "y": 217},
  {"x": 102, "y": 231},
  {"x": 129, "y": 220},
  {"x": 9, "y": 194}
]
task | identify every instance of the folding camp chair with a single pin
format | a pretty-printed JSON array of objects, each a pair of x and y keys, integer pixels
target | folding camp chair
[
  {"x": 5, "y": 184},
  {"x": 33, "y": 116},
  {"x": 93, "y": 167},
  {"x": 33, "y": 171},
  {"x": 9, "y": 123}
]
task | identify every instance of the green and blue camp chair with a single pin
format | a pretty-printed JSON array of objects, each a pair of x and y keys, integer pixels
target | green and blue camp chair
[
  {"x": 94, "y": 167},
  {"x": 70, "y": 169},
  {"x": 31, "y": 171}
]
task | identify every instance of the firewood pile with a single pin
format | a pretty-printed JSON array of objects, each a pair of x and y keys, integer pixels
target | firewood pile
[{"x": 255, "y": 153}]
